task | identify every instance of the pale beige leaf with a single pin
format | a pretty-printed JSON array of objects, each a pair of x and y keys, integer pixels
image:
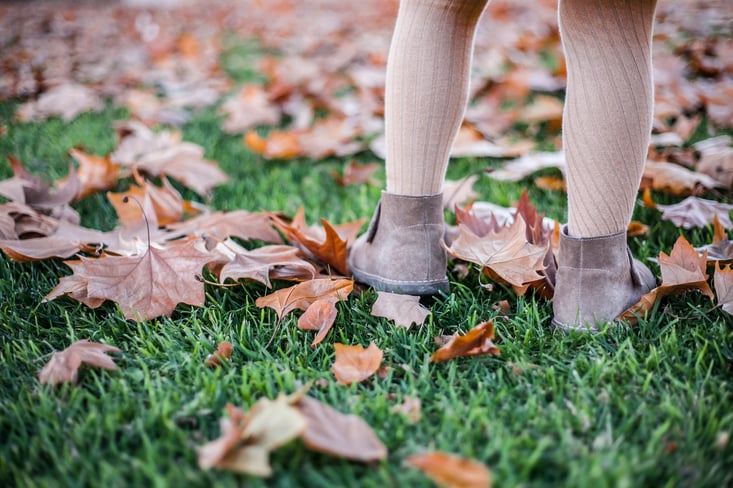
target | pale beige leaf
[
  {"x": 724, "y": 287},
  {"x": 404, "y": 310},
  {"x": 64, "y": 366}
]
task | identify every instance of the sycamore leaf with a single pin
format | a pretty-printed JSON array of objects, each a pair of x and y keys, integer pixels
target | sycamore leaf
[
  {"x": 450, "y": 471},
  {"x": 221, "y": 225},
  {"x": 675, "y": 179},
  {"x": 223, "y": 353},
  {"x": 345, "y": 436},
  {"x": 247, "y": 440},
  {"x": 683, "y": 270},
  {"x": 410, "y": 408},
  {"x": 404, "y": 310},
  {"x": 95, "y": 173},
  {"x": 475, "y": 342},
  {"x": 696, "y": 212},
  {"x": 64, "y": 366},
  {"x": 505, "y": 254},
  {"x": 320, "y": 316},
  {"x": 354, "y": 363},
  {"x": 145, "y": 286},
  {"x": 267, "y": 262},
  {"x": 724, "y": 287},
  {"x": 331, "y": 249},
  {"x": 303, "y": 295}
]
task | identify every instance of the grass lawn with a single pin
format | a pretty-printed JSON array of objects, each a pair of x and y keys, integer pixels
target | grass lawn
[{"x": 642, "y": 406}]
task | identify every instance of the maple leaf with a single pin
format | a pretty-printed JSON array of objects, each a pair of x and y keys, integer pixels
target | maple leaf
[
  {"x": 410, "y": 408},
  {"x": 303, "y": 295},
  {"x": 345, "y": 436},
  {"x": 723, "y": 281},
  {"x": 505, "y": 255},
  {"x": 696, "y": 212},
  {"x": 223, "y": 353},
  {"x": 64, "y": 366},
  {"x": 320, "y": 316},
  {"x": 684, "y": 269},
  {"x": 354, "y": 363},
  {"x": 451, "y": 471},
  {"x": 476, "y": 341},
  {"x": 265, "y": 263},
  {"x": 404, "y": 310},
  {"x": 145, "y": 286},
  {"x": 247, "y": 440},
  {"x": 221, "y": 225},
  {"x": 248, "y": 108},
  {"x": 94, "y": 173},
  {"x": 330, "y": 250},
  {"x": 674, "y": 179}
]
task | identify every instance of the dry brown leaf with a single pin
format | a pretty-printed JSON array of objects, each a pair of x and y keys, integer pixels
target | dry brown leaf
[
  {"x": 221, "y": 225},
  {"x": 724, "y": 287},
  {"x": 66, "y": 101},
  {"x": 95, "y": 173},
  {"x": 475, "y": 342},
  {"x": 637, "y": 229},
  {"x": 145, "y": 286},
  {"x": 354, "y": 363},
  {"x": 460, "y": 192},
  {"x": 338, "y": 434},
  {"x": 693, "y": 212},
  {"x": 356, "y": 174},
  {"x": 684, "y": 269},
  {"x": 524, "y": 166},
  {"x": 404, "y": 310},
  {"x": 450, "y": 471},
  {"x": 223, "y": 353},
  {"x": 64, "y": 366},
  {"x": 303, "y": 295},
  {"x": 411, "y": 408},
  {"x": 506, "y": 254},
  {"x": 716, "y": 159},
  {"x": 247, "y": 440},
  {"x": 250, "y": 107},
  {"x": 265, "y": 263},
  {"x": 320, "y": 316},
  {"x": 674, "y": 179},
  {"x": 28, "y": 189}
]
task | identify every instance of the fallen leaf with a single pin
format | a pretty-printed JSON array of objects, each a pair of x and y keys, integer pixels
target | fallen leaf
[
  {"x": 345, "y": 436},
  {"x": 267, "y": 262},
  {"x": 320, "y": 316},
  {"x": 637, "y": 229},
  {"x": 475, "y": 342},
  {"x": 250, "y": 107},
  {"x": 95, "y": 173},
  {"x": 456, "y": 193},
  {"x": 303, "y": 295},
  {"x": 522, "y": 167},
  {"x": 64, "y": 366},
  {"x": 28, "y": 189},
  {"x": 724, "y": 287},
  {"x": 277, "y": 144},
  {"x": 505, "y": 255},
  {"x": 450, "y": 471},
  {"x": 716, "y": 159},
  {"x": 356, "y": 174},
  {"x": 410, "y": 408},
  {"x": 674, "y": 179},
  {"x": 221, "y": 225},
  {"x": 404, "y": 310},
  {"x": 66, "y": 101},
  {"x": 696, "y": 212},
  {"x": 145, "y": 286},
  {"x": 354, "y": 363},
  {"x": 223, "y": 353},
  {"x": 247, "y": 440}
]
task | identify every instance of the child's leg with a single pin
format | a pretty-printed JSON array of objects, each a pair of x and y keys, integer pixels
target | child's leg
[{"x": 606, "y": 128}]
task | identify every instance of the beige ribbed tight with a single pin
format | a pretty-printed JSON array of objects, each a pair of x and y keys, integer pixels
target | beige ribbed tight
[{"x": 608, "y": 109}]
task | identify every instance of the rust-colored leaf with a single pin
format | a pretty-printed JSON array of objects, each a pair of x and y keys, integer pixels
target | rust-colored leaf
[
  {"x": 320, "y": 316},
  {"x": 354, "y": 363},
  {"x": 303, "y": 295},
  {"x": 145, "y": 286},
  {"x": 450, "y": 471},
  {"x": 64, "y": 366},
  {"x": 223, "y": 353},
  {"x": 338, "y": 434},
  {"x": 476, "y": 341},
  {"x": 404, "y": 310}
]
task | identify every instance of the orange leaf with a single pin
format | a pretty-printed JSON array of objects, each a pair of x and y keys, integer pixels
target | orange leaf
[
  {"x": 404, "y": 310},
  {"x": 354, "y": 363},
  {"x": 451, "y": 471},
  {"x": 320, "y": 316},
  {"x": 223, "y": 353},
  {"x": 95, "y": 173},
  {"x": 64, "y": 366},
  {"x": 476, "y": 341},
  {"x": 277, "y": 145},
  {"x": 338, "y": 434},
  {"x": 303, "y": 295}
]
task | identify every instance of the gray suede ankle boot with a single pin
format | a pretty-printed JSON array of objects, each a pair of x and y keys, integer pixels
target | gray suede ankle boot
[
  {"x": 597, "y": 280},
  {"x": 402, "y": 251}
]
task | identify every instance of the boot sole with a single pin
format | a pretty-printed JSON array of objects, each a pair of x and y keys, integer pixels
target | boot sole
[{"x": 417, "y": 288}]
